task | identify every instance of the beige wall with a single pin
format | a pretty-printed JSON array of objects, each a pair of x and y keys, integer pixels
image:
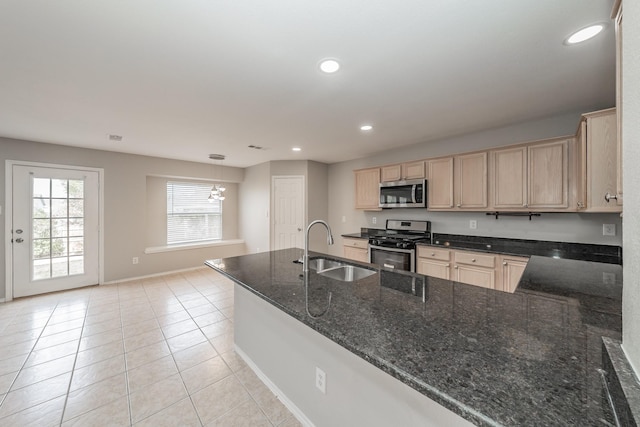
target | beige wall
[
  {"x": 631, "y": 154},
  {"x": 125, "y": 204}
]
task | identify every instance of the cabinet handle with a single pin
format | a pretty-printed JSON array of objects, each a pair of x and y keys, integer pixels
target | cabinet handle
[
  {"x": 504, "y": 263},
  {"x": 433, "y": 254},
  {"x": 525, "y": 205},
  {"x": 459, "y": 205},
  {"x": 448, "y": 265},
  {"x": 608, "y": 197},
  {"x": 473, "y": 260}
]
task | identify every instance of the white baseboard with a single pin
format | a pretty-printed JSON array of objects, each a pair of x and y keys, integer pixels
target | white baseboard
[
  {"x": 300, "y": 416},
  {"x": 129, "y": 279}
]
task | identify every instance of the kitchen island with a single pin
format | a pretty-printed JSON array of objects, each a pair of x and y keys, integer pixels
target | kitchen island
[{"x": 489, "y": 357}]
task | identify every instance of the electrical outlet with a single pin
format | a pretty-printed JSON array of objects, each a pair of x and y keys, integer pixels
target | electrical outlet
[
  {"x": 608, "y": 229},
  {"x": 321, "y": 380},
  {"x": 374, "y": 220},
  {"x": 135, "y": 260},
  {"x": 608, "y": 278},
  {"x": 473, "y": 224}
]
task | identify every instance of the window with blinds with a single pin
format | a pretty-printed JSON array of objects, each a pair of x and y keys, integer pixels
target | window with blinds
[{"x": 191, "y": 217}]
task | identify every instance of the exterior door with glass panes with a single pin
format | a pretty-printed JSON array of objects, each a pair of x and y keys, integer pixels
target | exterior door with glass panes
[{"x": 55, "y": 229}]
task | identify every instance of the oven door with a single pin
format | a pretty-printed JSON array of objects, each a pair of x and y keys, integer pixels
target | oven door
[{"x": 399, "y": 259}]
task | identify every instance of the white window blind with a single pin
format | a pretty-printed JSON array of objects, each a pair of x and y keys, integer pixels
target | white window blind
[{"x": 191, "y": 217}]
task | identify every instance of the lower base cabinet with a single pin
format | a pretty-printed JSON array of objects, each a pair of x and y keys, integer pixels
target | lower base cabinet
[
  {"x": 487, "y": 270},
  {"x": 356, "y": 249}
]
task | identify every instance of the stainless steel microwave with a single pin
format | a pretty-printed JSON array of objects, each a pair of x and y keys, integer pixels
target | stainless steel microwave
[{"x": 411, "y": 193}]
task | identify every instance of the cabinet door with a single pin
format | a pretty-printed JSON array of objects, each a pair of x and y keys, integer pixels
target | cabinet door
[
  {"x": 509, "y": 178},
  {"x": 356, "y": 254},
  {"x": 391, "y": 173},
  {"x": 413, "y": 170},
  {"x": 367, "y": 188},
  {"x": 548, "y": 175},
  {"x": 580, "y": 166},
  {"x": 511, "y": 273},
  {"x": 471, "y": 181},
  {"x": 438, "y": 269},
  {"x": 619, "y": 98},
  {"x": 602, "y": 162},
  {"x": 483, "y": 277},
  {"x": 440, "y": 184}
]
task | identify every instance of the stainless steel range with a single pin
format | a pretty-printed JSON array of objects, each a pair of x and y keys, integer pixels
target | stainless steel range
[{"x": 396, "y": 246}]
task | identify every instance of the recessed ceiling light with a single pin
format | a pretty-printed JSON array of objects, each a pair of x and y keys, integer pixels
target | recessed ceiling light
[
  {"x": 329, "y": 66},
  {"x": 296, "y": 149},
  {"x": 584, "y": 34},
  {"x": 366, "y": 127}
]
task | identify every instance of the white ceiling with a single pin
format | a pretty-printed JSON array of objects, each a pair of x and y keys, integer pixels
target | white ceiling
[{"x": 185, "y": 78}]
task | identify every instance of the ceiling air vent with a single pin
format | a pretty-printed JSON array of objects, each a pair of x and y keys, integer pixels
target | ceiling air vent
[{"x": 113, "y": 137}]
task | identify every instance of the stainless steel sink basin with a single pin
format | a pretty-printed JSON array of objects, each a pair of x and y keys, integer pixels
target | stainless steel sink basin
[
  {"x": 346, "y": 273},
  {"x": 319, "y": 264}
]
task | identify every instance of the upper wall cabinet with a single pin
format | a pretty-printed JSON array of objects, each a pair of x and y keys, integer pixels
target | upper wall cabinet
[
  {"x": 399, "y": 172},
  {"x": 617, "y": 15},
  {"x": 531, "y": 177},
  {"x": 598, "y": 162},
  {"x": 458, "y": 182},
  {"x": 367, "y": 188}
]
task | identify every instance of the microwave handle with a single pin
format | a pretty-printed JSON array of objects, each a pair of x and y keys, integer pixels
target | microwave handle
[{"x": 414, "y": 189}]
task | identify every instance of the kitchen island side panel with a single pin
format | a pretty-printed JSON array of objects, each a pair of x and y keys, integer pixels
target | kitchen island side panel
[{"x": 287, "y": 352}]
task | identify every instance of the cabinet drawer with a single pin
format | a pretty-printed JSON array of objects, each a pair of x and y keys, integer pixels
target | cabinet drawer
[
  {"x": 471, "y": 258},
  {"x": 356, "y": 243},
  {"x": 432, "y": 253}
]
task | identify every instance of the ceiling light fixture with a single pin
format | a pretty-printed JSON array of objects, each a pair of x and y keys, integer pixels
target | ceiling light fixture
[
  {"x": 217, "y": 191},
  {"x": 296, "y": 149},
  {"x": 329, "y": 66},
  {"x": 584, "y": 34},
  {"x": 366, "y": 127}
]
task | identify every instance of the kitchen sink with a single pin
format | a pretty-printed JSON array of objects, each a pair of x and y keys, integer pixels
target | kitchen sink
[
  {"x": 319, "y": 264},
  {"x": 338, "y": 270},
  {"x": 346, "y": 273}
]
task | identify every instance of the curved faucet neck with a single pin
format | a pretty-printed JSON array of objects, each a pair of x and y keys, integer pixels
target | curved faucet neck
[{"x": 305, "y": 259}]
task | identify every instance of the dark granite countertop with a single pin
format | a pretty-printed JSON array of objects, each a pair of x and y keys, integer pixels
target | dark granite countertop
[
  {"x": 521, "y": 247},
  {"x": 528, "y": 358}
]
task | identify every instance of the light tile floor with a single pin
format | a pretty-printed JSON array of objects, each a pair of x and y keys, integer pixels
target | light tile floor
[{"x": 153, "y": 352}]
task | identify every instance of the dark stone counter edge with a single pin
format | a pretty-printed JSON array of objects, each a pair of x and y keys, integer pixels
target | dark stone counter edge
[
  {"x": 535, "y": 247},
  {"x": 622, "y": 384},
  {"x": 429, "y": 391}
]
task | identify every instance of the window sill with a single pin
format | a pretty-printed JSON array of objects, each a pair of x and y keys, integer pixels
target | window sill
[{"x": 188, "y": 246}]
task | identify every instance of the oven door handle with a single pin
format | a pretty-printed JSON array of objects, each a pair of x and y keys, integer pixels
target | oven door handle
[
  {"x": 414, "y": 189},
  {"x": 384, "y": 248}
]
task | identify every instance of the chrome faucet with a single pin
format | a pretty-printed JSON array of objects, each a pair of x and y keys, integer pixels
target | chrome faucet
[{"x": 305, "y": 258}]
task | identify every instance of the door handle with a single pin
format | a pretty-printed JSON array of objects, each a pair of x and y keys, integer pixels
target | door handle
[{"x": 19, "y": 240}]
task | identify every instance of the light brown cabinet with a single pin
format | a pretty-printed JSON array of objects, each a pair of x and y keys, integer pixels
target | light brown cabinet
[
  {"x": 367, "y": 188},
  {"x": 531, "y": 177},
  {"x": 356, "y": 249},
  {"x": 434, "y": 262},
  {"x": 617, "y": 16},
  {"x": 404, "y": 171},
  {"x": 475, "y": 268},
  {"x": 597, "y": 159},
  {"x": 511, "y": 270},
  {"x": 458, "y": 182},
  {"x": 487, "y": 270}
]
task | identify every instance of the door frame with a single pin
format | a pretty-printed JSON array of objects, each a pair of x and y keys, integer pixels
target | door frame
[
  {"x": 272, "y": 225},
  {"x": 8, "y": 220}
]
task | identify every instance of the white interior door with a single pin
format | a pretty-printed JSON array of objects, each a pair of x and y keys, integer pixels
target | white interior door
[
  {"x": 55, "y": 229},
  {"x": 288, "y": 212}
]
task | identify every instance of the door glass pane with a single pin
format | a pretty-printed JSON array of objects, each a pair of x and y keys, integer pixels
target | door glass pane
[
  {"x": 57, "y": 228},
  {"x": 59, "y": 188}
]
